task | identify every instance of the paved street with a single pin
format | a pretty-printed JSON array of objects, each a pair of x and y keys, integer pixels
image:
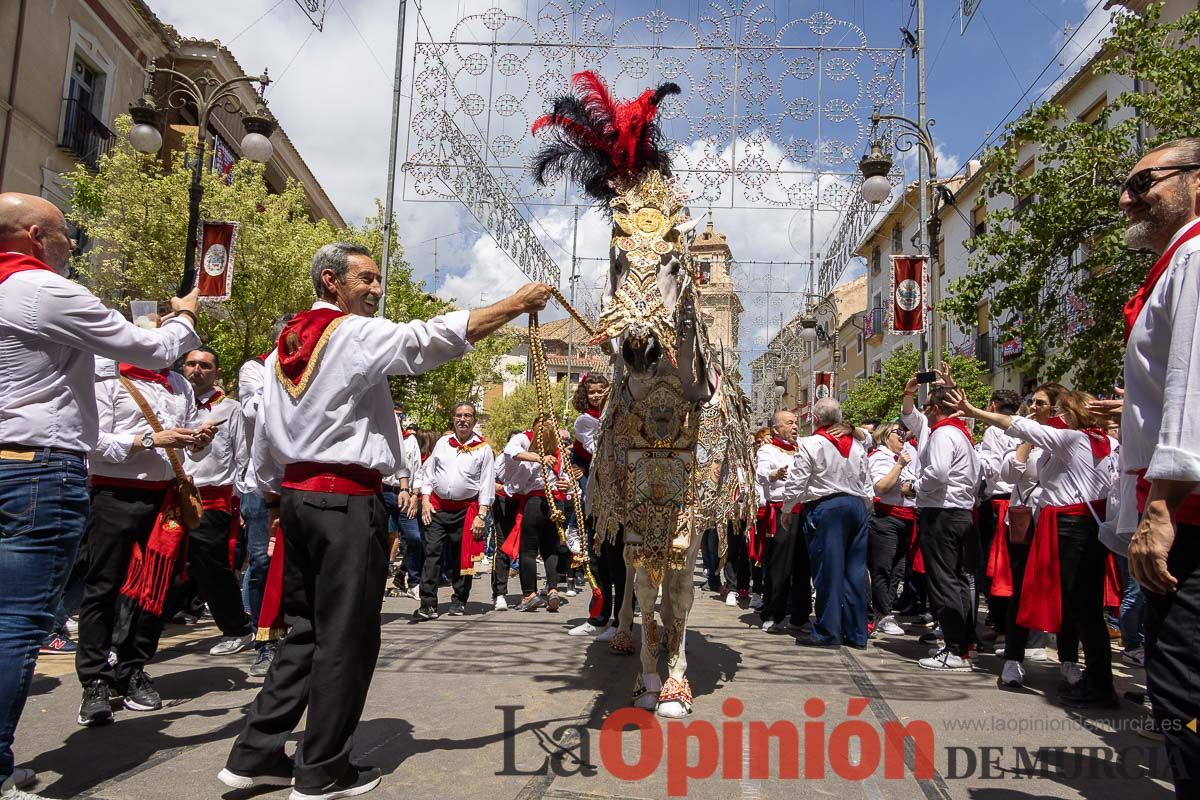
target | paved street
[{"x": 433, "y": 727}]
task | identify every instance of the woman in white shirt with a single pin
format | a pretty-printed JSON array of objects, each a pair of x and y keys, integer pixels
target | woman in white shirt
[{"x": 891, "y": 524}]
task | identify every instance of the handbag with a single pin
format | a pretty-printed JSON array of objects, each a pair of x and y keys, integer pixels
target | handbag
[
  {"x": 187, "y": 496},
  {"x": 1020, "y": 520}
]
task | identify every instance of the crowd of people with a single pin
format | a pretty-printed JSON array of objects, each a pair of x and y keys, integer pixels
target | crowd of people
[{"x": 133, "y": 494}]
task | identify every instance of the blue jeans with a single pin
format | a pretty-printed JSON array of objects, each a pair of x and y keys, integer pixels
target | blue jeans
[
  {"x": 1133, "y": 609},
  {"x": 254, "y": 581},
  {"x": 836, "y": 532},
  {"x": 43, "y": 508},
  {"x": 414, "y": 549}
]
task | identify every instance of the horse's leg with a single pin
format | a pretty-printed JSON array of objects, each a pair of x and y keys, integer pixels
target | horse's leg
[
  {"x": 622, "y": 641},
  {"x": 648, "y": 684},
  {"x": 679, "y": 592}
]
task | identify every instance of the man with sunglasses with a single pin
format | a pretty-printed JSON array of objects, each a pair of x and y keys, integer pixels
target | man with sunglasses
[{"x": 1160, "y": 438}]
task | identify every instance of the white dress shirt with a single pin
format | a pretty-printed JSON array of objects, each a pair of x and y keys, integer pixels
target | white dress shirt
[
  {"x": 586, "y": 427},
  {"x": 404, "y": 464},
  {"x": 346, "y": 416},
  {"x": 524, "y": 477},
  {"x": 947, "y": 465},
  {"x": 1068, "y": 472},
  {"x": 769, "y": 459},
  {"x": 224, "y": 461},
  {"x": 881, "y": 461},
  {"x": 1160, "y": 424},
  {"x": 995, "y": 445},
  {"x": 819, "y": 470},
  {"x": 453, "y": 474},
  {"x": 50, "y": 330},
  {"x": 1027, "y": 490},
  {"x": 122, "y": 424}
]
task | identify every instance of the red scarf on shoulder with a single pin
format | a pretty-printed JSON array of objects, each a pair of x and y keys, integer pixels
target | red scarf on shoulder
[
  {"x": 1133, "y": 308},
  {"x": 953, "y": 422},
  {"x": 158, "y": 376},
  {"x": 12, "y": 263},
  {"x": 1098, "y": 439},
  {"x": 300, "y": 345},
  {"x": 842, "y": 443}
]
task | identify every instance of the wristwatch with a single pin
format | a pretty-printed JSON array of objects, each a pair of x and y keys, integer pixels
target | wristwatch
[{"x": 147, "y": 441}]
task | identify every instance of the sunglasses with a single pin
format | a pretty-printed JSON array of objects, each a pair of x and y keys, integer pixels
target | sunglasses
[{"x": 1140, "y": 182}]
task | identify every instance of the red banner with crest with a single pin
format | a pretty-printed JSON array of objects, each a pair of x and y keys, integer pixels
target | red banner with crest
[
  {"x": 822, "y": 385},
  {"x": 908, "y": 294},
  {"x": 218, "y": 244}
]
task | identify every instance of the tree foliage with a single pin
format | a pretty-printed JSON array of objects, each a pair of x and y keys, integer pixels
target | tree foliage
[
  {"x": 879, "y": 397},
  {"x": 512, "y": 413},
  {"x": 135, "y": 209},
  {"x": 1055, "y": 268}
]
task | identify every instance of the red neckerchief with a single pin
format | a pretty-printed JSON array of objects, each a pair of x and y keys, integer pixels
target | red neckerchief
[
  {"x": 782, "y": 445},
  {"x": 471, "y": 444},
  {"x": 12, "y": 263},
  {"x": 297, "y": 344},
  {"x": 1133, "y": 308},
  {"x": 148, "y": 375},
  {"x": 842, "y": 443},
  {"x": 594, "y": 413},
  {"x": 953, "y": 422},
  {"x": 406, "y": 433},
  {"x": 207, "y": 405},
  {"x": 262, "y": 357},
  {"x": 1098, "y": 439},
  {"x": 1058, "y": 423}
]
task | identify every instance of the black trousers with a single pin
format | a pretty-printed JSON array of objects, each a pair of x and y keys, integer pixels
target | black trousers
[
  {"x": 1173, "y": 660},
  {"x": 950, "y": 548},
  {"x": 335, "y": 568},
  {"x": 504, "y": 512},
  {"x": 442, "y": 540},
  {"x": 608, "y": 568},
  {"x": 209, "y": 567},
  {"x": 737, "y": 561},
  {"x": 1017, "y": 638},
  {"x": 118, "y": 519},
  {"x": 539, "y": 536},
  {"x": 788, "y": 575},
  {"x": 887, "y": 553},
  {"x": 1081, "y": 561}
]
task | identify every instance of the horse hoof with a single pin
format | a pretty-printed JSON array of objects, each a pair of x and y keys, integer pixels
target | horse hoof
[
  {"x": 673, "y": 709},
  {"x": 646, "y": 701},
  {"x": 622, "y": 643}
]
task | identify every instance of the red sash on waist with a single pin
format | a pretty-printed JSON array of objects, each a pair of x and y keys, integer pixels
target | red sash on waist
[
  {"x": 512, "y": 544},
  {"x": 471, "y": 550},
  {"x": 1041, "y": 590},
  {"x": 765, "y": 527},
  {"x": 148, "y": 575},
  {"x": 899, "y": 512},
  {"x": 999, "y": 568},
  {"x": 271, "y": 623},
  {"x": 1188, "y": 512},
  {"x": 349, "y": 479},
  {"x": 217, "y": 498},
  {"x": 109, "y": 482}
]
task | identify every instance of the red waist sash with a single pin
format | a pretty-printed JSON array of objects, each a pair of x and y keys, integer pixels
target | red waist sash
[
  {"x": 1041, "y": 590},
  {"x": 999, "y": 568},
  {"x": 1188, "y": 512},
  {"x": 512, "y": 544},
  {"x": 349, "y": 479},
  {"x": 217, "y": 498},
  {"x": 899, "y": 512},
  {"x": 471, "y": 550}
]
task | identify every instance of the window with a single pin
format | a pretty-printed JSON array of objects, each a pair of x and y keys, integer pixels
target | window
[
  {"x": 876, "y": 260},
  {"x": 984, "y": 322},
  {"x": 1092, "y": 115},
  {"x": 897, "y": 240},
  {"x": 844, "y": 354},
  {"x": 877, "y": 366},
  {"x": 1025, "y": 173},
  {"x": 86, "y": 93},
  {"x": 978, "y": 223},
  {"x": 843, "y": 391},
  {"x": 859, "y": 341}
]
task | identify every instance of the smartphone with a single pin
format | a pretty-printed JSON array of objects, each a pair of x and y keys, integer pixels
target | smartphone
[{"x": 927, "y": 377}]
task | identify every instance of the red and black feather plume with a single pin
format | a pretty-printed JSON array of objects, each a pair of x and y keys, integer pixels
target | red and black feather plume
[{"x": 599, "y": 142}]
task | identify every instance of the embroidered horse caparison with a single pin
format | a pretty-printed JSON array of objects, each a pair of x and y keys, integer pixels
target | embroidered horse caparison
[{"x": 673, "y": 455}]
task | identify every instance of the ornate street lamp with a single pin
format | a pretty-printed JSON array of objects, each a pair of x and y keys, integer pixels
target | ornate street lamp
[{"x": 205, "y": 94}]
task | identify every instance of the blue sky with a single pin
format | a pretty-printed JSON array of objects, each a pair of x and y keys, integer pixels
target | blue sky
[{"x": 333, "y": 97}]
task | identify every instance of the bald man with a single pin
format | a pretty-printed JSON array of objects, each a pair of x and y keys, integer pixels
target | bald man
[{"x": 50, "y": 329}]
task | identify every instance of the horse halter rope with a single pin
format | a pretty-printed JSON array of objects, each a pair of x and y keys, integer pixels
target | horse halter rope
[{"x": 645, "y": 217}]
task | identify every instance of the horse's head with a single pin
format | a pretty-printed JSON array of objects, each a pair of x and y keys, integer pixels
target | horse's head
[{"x": 648, "y": 274}]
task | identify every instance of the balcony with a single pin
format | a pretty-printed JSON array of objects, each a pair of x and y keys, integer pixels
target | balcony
[
  {"x": 83, "y": 134},
  {"x": 873, "y": 325}
]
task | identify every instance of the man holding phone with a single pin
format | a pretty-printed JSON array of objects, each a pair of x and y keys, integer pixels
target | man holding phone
[{"x": 215, "y": 470}]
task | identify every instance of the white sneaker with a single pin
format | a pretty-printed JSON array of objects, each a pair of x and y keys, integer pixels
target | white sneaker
[
  {"x": 607, "y": 634},
  {"x": 231, "y": 645},
  {"x": 500, "y": 604},
  {"x": 413, "y": 593},
  {"x": 1135, "y": 657},
  {"x": 21, "y": 778},
  {"x": 945, "y": 661},
  {"x": 889, "y": 626},
  {"x": 731, "y": 599},
  {"x": 769, "y": 626},
  {"x": 1012, "y": 674},
  {"x": 72, "y": 626},
  {"x": 570, "y": 592},
  {"x": 14, "y": 793},
  {"x": 586, "y": 629},
  {"x": 1072, "y": 673},
  {"x": 1036, "y": 654}
]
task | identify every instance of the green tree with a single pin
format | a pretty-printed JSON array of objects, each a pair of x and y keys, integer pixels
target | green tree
[
  {"x": 512, "y": 413},
  {"x": 879, "y": 397},
  {"x": 135, "y": 208},
  {"x": 1055, "y": 266}
]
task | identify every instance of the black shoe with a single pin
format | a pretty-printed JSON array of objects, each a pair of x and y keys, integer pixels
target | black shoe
[
  {"x": 1081, "y": 696},
  {"x": 282, "y": 774},
  {"x": 457, "y": 609},
  {"x": 809, "y": 641},
  {"x": 358, "y": 780},
  {"x": 422, "y": 614},
  {"x": 95, "y": 708},
  {"x": 140, "y": 695}
]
